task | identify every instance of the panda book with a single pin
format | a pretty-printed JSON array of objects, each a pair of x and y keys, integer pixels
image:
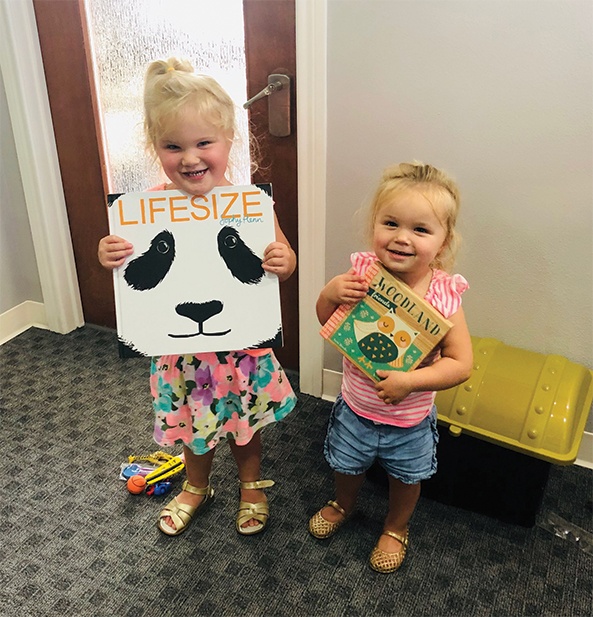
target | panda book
[
  {"x": 392, "y": 328},
  {"x": 195, "y": 281}
]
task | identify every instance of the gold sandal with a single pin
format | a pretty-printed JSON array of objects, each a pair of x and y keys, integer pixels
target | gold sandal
[
  {"x": 181, "y": 513},
  {"x": 258, "y": 511},
  {"x": 389, "y": 562},
  {"x": 322, "y": 528}
]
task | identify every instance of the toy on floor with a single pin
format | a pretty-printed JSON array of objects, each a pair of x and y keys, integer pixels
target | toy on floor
[
  {"x": 156, "y": 458},
  {"x": 135, "y": 470},
  {"x": 166, "y": 470},
  {"x": 154, "y": 479},
  {"x": 160, "y": 488},
  {"x": 136, "y": 484}
]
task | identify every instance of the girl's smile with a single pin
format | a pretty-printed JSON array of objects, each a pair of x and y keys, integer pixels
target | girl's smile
[
  {"x": 400, "y": 254},
  {"x": 195, "y": 174}
]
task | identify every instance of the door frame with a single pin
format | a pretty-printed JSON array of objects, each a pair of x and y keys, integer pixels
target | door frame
[
  {"x": 311, "y": 60},
  {"x": 22, "y": 69},
  {"x": 26, "y": 94}
]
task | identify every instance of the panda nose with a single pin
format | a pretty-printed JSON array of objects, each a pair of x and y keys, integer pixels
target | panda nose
[{"x": 199, "y": 312}]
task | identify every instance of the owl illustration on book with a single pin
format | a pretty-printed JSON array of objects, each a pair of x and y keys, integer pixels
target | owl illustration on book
[{"x": 384, "y": 340}]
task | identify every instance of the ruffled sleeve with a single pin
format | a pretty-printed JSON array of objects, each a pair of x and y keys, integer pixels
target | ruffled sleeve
[
  {"x": 445, "y": 292},
  {"x": 362, "y": 261}
]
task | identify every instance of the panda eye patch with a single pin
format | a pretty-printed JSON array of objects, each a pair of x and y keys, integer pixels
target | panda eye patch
[
  {"x": 243, "y": 264},
  {"x": 148, "y": 270}
]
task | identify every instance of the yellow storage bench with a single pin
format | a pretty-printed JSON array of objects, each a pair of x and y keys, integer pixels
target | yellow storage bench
[
  {"x": 500, "y": 431},
  {"x": 530, "y": 402}
]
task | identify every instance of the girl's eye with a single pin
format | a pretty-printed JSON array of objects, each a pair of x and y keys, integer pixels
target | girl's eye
[
  {"x": 203, "y": 144},
  {"x": 171, "y": 147},
  {"x": 391, "y": 223},
  {"x": 422, "y": 230}
]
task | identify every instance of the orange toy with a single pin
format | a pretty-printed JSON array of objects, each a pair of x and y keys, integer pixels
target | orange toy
[{"x": 136, "y": 484}]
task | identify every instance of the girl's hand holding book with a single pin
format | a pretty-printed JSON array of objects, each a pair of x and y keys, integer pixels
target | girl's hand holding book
[
  {"x": 393, "y": 387},
  {"x": 279, "y": 259},
  {"x": 113, "y": 251},
  {"x": 348, "y": 288}
]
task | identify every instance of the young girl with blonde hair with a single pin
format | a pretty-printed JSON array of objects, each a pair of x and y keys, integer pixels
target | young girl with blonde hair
[
  {"x": 412, "y": 232},
  {"x": 190, "y": 126}
]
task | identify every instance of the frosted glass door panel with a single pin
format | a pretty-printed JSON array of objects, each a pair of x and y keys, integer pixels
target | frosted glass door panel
[{"x": 126, "y": 35}]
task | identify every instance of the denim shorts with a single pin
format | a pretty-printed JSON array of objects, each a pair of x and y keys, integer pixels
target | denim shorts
[{"x": 353, "y": 444}]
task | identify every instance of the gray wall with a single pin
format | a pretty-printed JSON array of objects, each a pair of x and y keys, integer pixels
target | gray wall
[
  {"x": 499, "y": 93},
  {"x": 19, "y": 277}
]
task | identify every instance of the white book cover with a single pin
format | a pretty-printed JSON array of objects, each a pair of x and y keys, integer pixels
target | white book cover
[{"x": 195, "y": 281}]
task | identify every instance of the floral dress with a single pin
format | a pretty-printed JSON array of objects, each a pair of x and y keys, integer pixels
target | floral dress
[{"x": 203, "y": 398}]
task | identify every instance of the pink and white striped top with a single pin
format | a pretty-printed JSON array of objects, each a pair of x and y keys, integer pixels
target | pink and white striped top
[{"x": 358, "y": 390}]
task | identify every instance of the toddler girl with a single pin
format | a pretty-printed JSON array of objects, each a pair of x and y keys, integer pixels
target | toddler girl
[
  {"x": 190, "y": 126},
  {"x": 412, "y": 232}
]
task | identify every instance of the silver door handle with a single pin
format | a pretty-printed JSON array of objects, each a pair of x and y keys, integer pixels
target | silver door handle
[
  {"x": 278, "y": 105},
  {"x": 271, "y": 87}
]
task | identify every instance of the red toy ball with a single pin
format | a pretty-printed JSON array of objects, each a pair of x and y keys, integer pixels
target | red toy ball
[{"x": 136, "y": 484}]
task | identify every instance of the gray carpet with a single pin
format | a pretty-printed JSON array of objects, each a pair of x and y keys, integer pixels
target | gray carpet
[{"x": 75, "y": 542}]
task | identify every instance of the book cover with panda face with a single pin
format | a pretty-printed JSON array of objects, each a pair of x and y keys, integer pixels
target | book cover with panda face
[{"x": 195, "y": 281}]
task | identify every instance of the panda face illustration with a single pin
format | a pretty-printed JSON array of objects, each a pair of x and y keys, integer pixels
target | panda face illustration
[{"x": 198, "y": 288}]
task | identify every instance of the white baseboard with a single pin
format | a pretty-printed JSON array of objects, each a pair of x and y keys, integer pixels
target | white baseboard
[
  {"x": 27, "y": 315},
  {"x": 331, "y": 388},
  {"x": 585, "y": 455}
]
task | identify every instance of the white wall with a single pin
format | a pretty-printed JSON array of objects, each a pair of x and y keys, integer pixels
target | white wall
[
  {"x": 500, "y": 94},
  {"x": 19, "y": 277}
]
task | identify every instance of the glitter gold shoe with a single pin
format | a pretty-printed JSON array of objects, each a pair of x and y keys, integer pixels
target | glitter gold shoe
[
  {"x": 322, "y": 528},
  {"x": 389, "y": 562},
  {"x": 180, "y": 513},
  {"x": 258, "y": 511}
]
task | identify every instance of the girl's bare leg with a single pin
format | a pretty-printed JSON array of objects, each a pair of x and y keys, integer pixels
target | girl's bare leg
[
  {"x": 197, "y": 468},
  {"x": 402, "y": 503},
  {"x": 248, "y": 459},
  {"x": 347, "y": 488}
]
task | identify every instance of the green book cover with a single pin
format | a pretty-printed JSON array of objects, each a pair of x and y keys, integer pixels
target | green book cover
[{"x": 391, "y": 328}]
